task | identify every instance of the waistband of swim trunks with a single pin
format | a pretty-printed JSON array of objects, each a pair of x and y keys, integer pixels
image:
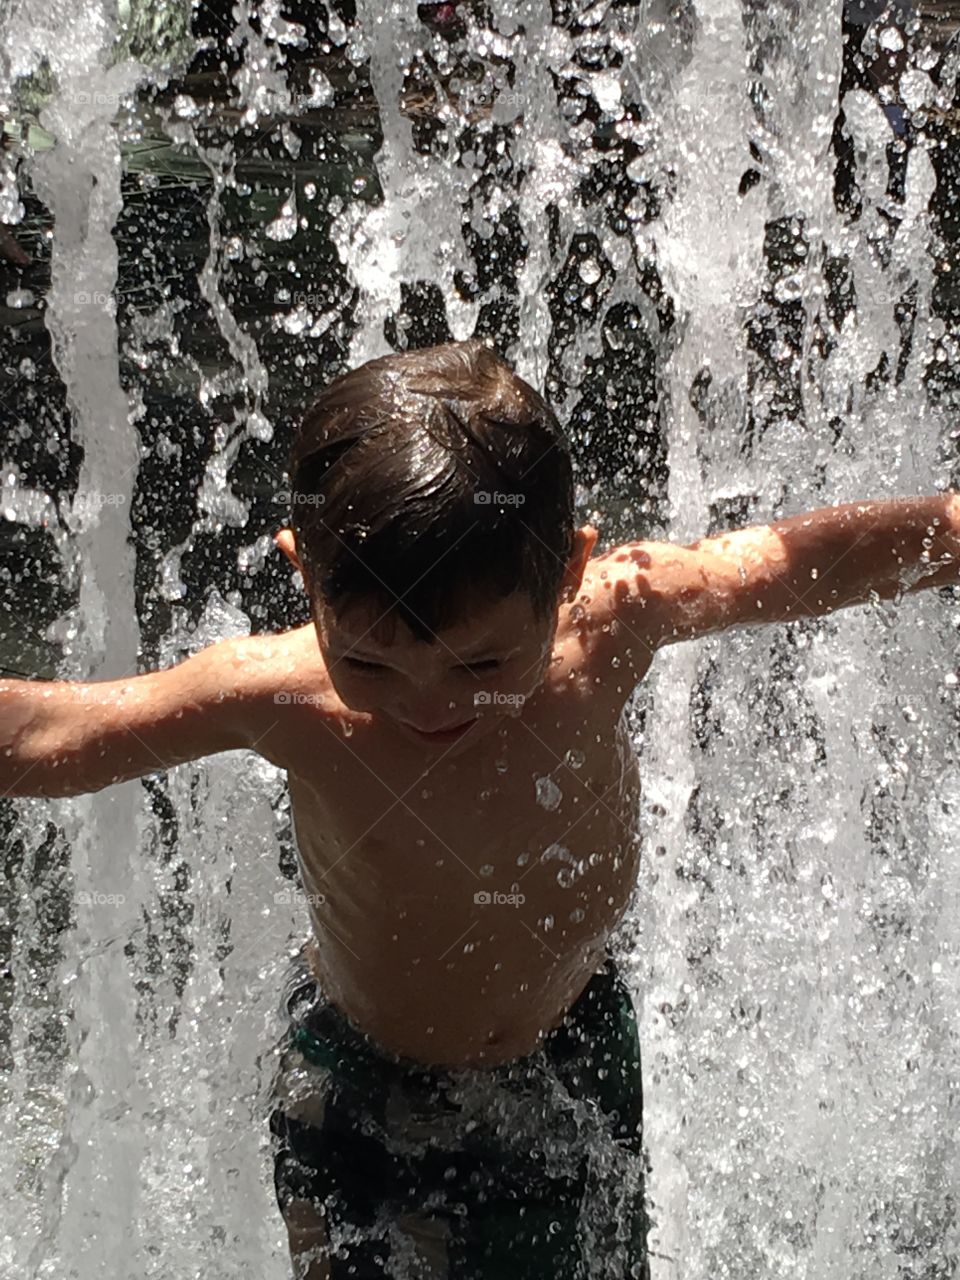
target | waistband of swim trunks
[{"x": 327, "y": 1037}]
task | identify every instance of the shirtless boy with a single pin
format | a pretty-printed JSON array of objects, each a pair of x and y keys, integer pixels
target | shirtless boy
[{"x": 458, "y": 1091}]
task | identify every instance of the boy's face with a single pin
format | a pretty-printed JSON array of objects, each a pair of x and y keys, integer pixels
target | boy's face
[
  {"x": 474, "y": 672},
  {"x": 481, "y": 668}
]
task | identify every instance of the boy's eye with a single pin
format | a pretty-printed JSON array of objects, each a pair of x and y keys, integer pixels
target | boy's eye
[{"x": 359, "y": 665}]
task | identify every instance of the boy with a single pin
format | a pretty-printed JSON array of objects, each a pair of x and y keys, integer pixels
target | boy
[{"x": 459, "y": 1089}]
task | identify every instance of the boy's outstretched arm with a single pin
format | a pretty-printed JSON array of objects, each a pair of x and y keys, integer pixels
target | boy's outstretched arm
[
  {"x": 64, "y": 738},
  {"x": 804, "y": 566}
]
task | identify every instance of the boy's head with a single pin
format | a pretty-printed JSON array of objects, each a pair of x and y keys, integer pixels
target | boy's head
[{"x": 432, "y": 505}]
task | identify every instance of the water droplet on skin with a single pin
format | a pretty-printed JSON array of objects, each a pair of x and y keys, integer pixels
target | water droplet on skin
[
  {"x": 577, "y": 915},
  {"x": 568, "y": 876},
  {"x": 347, "y": 729},
  {"x": 557, "y": 851},
  {"x": 426, "y": 793},
  {"x": 500, "y": 766},
  {"x": 574, "y": 758},
  {"x": 485, "y": 794},
  {"x": 549, "y": 794},
  {"x": 487, "y": 869},
  {"x": 615, "y": 661},
  {"x": 468, "y": 947},
  {"x": 547, "y": 923},
  {"x": 523, "y": 859}
]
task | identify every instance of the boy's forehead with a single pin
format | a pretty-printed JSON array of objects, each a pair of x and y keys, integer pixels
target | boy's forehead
[{"x": 492, "y": 623}]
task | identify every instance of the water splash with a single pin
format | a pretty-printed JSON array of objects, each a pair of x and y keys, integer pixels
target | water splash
[{"x": 796, "y": 914}]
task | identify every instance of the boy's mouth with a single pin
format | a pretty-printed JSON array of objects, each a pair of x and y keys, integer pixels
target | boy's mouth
[{"x": 440, "y": 736}]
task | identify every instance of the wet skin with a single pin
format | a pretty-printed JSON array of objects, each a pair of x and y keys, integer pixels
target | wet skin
[
  {"x": 461, "y": 886},
  {"x": 406, "y": 843}
]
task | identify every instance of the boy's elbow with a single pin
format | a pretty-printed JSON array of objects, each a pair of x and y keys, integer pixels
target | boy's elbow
[{"x": 35, "y": 756}]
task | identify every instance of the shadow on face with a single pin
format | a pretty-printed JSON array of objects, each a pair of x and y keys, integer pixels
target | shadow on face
[{"x": 484, "y": 665}]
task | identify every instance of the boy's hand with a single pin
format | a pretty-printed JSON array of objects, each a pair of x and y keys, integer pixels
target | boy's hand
[
  {"x": 62, "y": 738},
  {"x": 805, "y": 566}
]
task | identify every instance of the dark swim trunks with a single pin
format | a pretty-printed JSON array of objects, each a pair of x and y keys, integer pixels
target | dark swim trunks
[{"x": 531, "y": 1170}]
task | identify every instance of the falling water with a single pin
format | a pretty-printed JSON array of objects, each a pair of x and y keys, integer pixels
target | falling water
[
  {"x": 793, "y": 949},
  {"x": 98, "y": 1143},
  {"x": 136, "y": 1149}
]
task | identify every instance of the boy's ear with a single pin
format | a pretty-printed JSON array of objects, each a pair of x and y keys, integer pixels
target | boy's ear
[
  {"x": 285, "y": 541},
  {"x": 584, "y": 541}
]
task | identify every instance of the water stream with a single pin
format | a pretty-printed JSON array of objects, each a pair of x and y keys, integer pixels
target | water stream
[{"x": 723, "y": 352}]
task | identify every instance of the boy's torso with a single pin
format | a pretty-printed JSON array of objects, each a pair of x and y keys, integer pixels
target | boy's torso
[{"x": 461, "y": 900}]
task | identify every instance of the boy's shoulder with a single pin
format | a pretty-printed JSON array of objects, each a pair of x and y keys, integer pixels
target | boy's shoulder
[
  {"x": 268, "y": 658},
  {"x": 283, "y": 687},
  {"x": 594, "y": 639}
]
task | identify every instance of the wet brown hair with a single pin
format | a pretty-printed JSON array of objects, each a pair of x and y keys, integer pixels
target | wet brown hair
[{"x": 428, "y": 482}]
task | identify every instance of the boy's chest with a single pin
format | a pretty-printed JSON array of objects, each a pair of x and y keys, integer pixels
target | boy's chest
[{"x": 492, "y": 813}]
